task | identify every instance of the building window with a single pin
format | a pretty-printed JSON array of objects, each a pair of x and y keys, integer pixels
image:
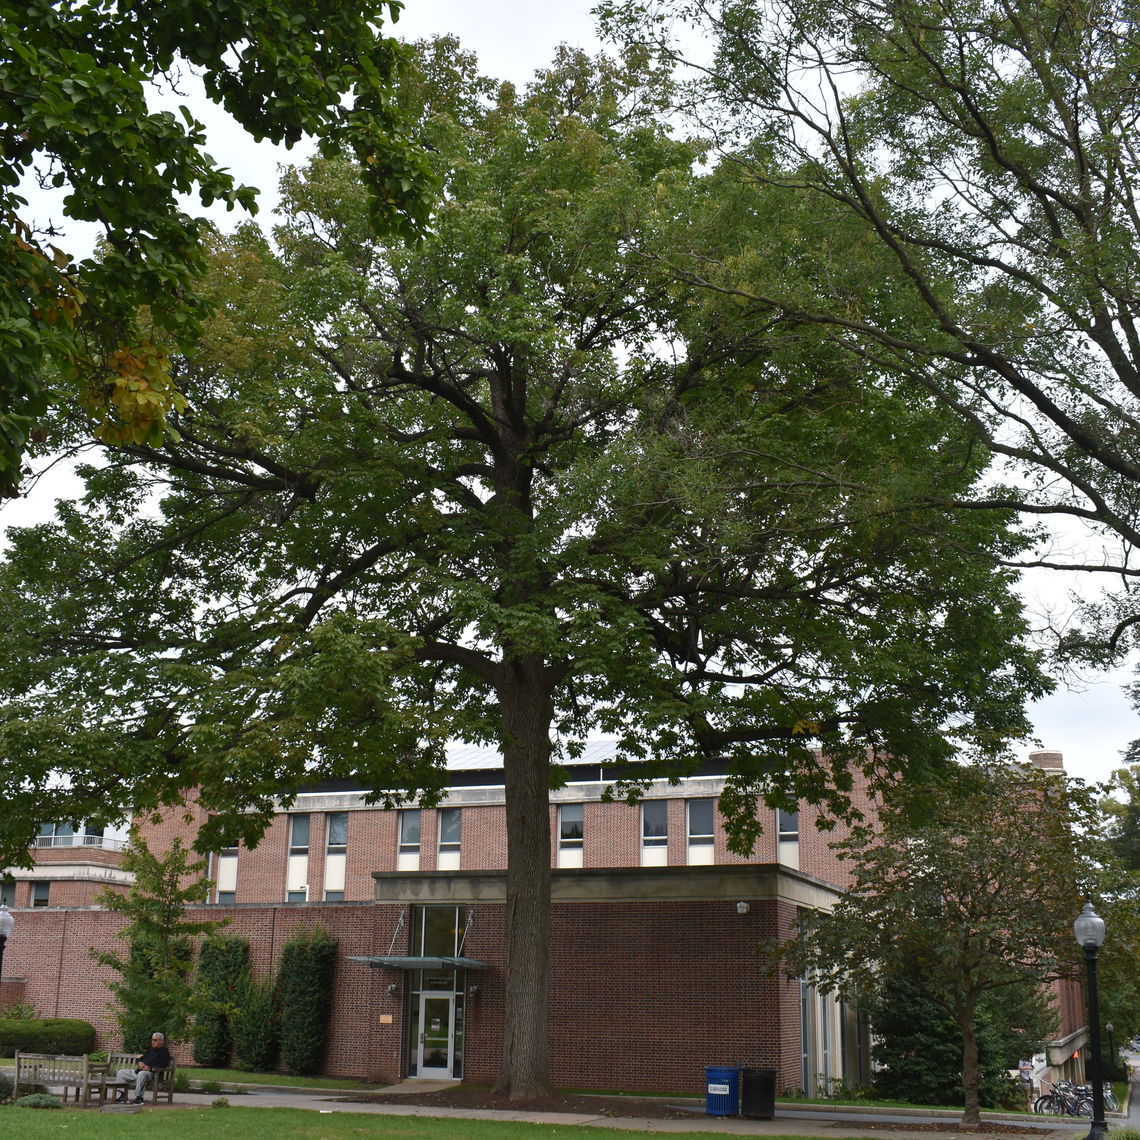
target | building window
[
  {"x": 570, "y": 825},
  {"x": 655, "y": 833},
  {"x": 450, "y": 824},
  {"x": 225, "y": 874},
  {"x": 788, "y": 838},
  {"x": 408, "y": 858},
  {"x": 701, "y": 813},
  {"x": 40, "y": 893},
  {"x": 788, "y": 826},
  {"x": 8, "y": 893},
  {"x": 56, "y": 835},
  {"x": 570, "y": 835},
  {"x": 336, "y": 841},
  {"x": 299, "y": 834},
  {"x": 297, "y": 872},
  {"x": 336, "y": 855}
]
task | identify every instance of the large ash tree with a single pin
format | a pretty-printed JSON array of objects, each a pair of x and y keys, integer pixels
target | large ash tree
[{"x": 514, "y": 485}]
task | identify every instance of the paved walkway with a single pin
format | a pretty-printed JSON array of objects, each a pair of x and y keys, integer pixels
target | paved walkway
[{"x": 817, "y": 1121}]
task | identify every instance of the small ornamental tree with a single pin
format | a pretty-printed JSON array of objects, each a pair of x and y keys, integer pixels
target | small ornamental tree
[
  {"x": 304, "y": 983},
  {"x": 223, "y": 968},
  {"x": 970, "y": 886},
  {"x": 154, "y": 990}
]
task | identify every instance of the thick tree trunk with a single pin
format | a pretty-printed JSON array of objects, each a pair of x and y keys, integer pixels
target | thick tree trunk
[
  {"x": 527, "y": 715},
  {"x": 971, "y": 1076}
]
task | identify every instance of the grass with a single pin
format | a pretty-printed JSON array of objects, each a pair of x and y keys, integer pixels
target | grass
[
  {"x": 231, "y": 1078},
  {"x": 286, "y": 1123}
]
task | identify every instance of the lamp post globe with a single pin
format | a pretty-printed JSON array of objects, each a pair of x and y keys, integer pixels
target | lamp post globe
[
  {"x": 1089, "y": 932},
  {"x": 7, "y": 924}
]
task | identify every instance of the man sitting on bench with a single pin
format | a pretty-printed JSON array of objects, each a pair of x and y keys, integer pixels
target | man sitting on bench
[{"x": 156, "y": 1057}]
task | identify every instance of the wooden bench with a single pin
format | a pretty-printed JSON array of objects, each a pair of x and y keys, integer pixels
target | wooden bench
[
  {"x": 161, "y": 1082},
  {"x": 79, "y": 1074}
]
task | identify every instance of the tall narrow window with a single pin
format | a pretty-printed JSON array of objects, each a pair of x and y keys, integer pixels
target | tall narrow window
[
  {"x": 336, "y": 839},
  {"x": 788, "y": 838},
  {"x": 336, "y": 854},
  {"x": 450, "y": 825},
  {"x": 571, "y": 833},
  {"x": 40, "y": 894},
  {"x": 297, "y": 876},
  {"x": 408, "y": 857},
  {"x": 807, "y": 1076},
  {"x": 8, "y": 893},
  {"x": 225, "y": 878},
  {"x": 788, "y": 824},
  {"x": 655, "y": 833},
  {"x": 701, "y": 849}
]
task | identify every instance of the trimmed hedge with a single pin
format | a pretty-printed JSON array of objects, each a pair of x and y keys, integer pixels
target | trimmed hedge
[{"x": 67, "y": 1035}]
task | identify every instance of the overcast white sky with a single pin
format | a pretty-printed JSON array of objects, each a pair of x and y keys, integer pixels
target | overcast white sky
[{"x": 512, "y": 38}]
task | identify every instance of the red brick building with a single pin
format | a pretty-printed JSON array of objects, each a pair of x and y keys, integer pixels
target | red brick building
[{"x": 657, "y": 941}]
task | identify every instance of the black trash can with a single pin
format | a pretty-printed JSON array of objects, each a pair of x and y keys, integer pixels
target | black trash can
[{"x": 758, "y": 1093}]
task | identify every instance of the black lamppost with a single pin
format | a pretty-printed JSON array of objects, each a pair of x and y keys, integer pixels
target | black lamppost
[
  {"x": 1089, "y": 932},
  {"x": 6, "y": 924}
]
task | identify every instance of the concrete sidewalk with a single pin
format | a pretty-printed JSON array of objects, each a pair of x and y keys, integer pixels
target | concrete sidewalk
[{"x": 815, "y": 1120}]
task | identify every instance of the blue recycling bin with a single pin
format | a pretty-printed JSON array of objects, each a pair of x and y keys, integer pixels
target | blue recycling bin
[{"x": 722, "y": 1090}]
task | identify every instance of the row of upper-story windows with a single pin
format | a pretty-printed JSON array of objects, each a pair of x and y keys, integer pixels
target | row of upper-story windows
[{"x": 700, "y": 831}]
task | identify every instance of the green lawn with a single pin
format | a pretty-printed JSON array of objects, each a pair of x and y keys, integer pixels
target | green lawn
[
  {"x": 232, "y": 1077},
  {"x": 282, "y": 1123}
]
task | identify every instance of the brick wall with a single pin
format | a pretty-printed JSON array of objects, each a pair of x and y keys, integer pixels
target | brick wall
[{"x": 643, "y": 995}]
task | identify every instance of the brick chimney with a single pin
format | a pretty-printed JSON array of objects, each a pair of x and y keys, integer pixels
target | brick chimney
[{"x": 1048, "y": 761}]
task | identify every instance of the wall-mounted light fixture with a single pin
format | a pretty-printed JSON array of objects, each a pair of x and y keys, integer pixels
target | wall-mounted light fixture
[
  {"x": 473, "y": 989},
  {"x": 392, "y": 987},
  {"x": 742, "y": 907}
]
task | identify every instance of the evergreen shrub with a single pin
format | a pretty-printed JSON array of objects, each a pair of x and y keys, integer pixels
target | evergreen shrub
[
  {"x": 254, "y": 1026},
  {"x": 223, "y": 968},
  {"x": 65, "y": 1035},
  {"x": 305, "y": 985},
  {"x": 39, "y": 1100}
]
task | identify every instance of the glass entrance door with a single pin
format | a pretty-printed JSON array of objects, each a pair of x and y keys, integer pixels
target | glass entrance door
[{"x": 437, "y": 1035}]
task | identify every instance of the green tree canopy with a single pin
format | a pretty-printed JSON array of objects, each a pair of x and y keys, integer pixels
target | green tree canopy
[
  {"x": 974, "y": 886},
  {"x": 75, "y": 117},
  {"x": 984, "y": 147},
  {"x": 513, "y": 485}
]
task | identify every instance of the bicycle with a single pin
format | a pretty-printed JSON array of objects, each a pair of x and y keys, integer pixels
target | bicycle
[{"x": 1064, "y": 1099}]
